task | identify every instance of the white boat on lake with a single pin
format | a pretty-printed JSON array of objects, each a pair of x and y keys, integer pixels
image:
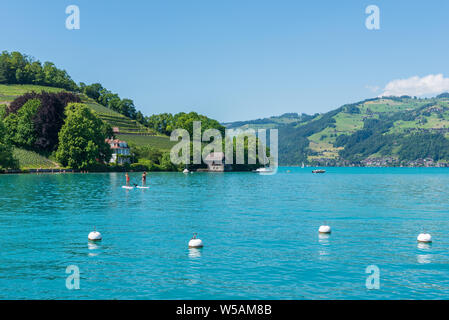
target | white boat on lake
[{"x": 264, "y": 170}]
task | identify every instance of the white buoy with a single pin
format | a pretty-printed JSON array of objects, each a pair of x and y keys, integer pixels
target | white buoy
[
  {"x": 324, "y": 229},
  {"x": 186, "y": 170},
  {"x": 424, "y": 237},
  {"x": 195, "y": 242},
  {"x": 94, "y": 236}
]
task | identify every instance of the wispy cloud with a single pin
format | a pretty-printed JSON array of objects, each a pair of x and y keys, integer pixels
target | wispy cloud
[
  {"x": 416, "y": 86},
  {"x": 372, "y": 88}
]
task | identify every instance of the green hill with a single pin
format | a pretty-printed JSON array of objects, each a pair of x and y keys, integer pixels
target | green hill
[
  {"x": 125, "y": 125},
  {"x": 379, "y": 131},
  {"x": 269, "y": 123},
  {"x": 125, "y": 128}
]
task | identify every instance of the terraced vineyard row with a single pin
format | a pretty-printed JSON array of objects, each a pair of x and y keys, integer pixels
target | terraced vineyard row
[
  {"x": 126, "y": 125},
  {"x": 32, "y": 160},
  {"x": 115, "y": 119}
]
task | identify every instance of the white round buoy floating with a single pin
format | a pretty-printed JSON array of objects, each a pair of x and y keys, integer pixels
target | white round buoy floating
[
  {"x": 186, "y": 170},
  {"x": 195, "y": 242},
  {"x": 324, "y": 229},
  {"x": 94, "y": 236},
  {"x": 424, "y": 237}
]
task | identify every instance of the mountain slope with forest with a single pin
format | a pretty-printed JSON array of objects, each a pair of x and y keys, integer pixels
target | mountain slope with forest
[{"x": 387, "y": 131}]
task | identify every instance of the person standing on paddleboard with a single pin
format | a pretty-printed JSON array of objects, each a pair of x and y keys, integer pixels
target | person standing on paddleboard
[
  {"x": 127, "y": 179},
  {"x": 144, "y": 179}
]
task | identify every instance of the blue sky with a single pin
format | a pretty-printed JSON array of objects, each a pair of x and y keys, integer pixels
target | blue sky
[{"x": 238, "y": 60}]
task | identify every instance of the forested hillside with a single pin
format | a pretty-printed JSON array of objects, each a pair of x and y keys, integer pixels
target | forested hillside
[
  {"x": 388, "y": 131},
  {"x": 49, "y": 121}
]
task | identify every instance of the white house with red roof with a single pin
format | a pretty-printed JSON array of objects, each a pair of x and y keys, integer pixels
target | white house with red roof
[{"x": 121, "y": 153}]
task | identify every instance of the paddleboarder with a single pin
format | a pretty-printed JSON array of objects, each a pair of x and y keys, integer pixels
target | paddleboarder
[
  {"x": 144, "y": 179},
  {"x": 127, "y": 179}
]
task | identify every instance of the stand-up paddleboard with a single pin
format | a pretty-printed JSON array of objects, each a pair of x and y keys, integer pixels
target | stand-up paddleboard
[
  {"x": 140, "y": 187},
  {"x": 128, "y": 188}
]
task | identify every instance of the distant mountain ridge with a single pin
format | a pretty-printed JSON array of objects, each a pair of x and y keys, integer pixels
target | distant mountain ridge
[
  {"x": 271, "y": 122},
  {"x": 385, "y": 131}
]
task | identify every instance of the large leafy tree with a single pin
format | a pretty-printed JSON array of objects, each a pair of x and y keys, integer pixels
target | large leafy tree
[
  {"x": 3, "y": 72},
  {"x": 82, "y": 138},
  {"x": 93, "y": 90},
  {"x": 163, "y": 123},
  {"x": 20, "y": 127},
  {"x": 48, "y": 118},
  {"x": 6, "y": 157},
  {"x": 166, "y": 122},
  {"x": 185, "y": 121}
]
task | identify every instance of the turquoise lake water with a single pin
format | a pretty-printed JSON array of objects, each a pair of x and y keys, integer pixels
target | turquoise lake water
[{"x": 260, "y": 235}]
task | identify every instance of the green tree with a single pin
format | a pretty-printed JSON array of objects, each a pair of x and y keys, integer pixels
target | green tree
[
  {"x": 165, "y": 123},
  {"x": 185, "y": 121},
  {"x": 92, "y": 91},
  {"x": 127, "y": 108},
  {"x": 140, "y": 118},
  {"x": 146, "y": 153},
  {"x": 82, "y": 142},
  {"x": 166, "y": 164},
  {"x": 36, "y": 73},
  {"x": 7, "y": 73},
  {"x": 3, "y": 73},
  {"x": 20, "y": 126},
  {"x": 6, "y": 157},
  {"x": 162, "y": 123},
  {"x": 2, "y": 111}
]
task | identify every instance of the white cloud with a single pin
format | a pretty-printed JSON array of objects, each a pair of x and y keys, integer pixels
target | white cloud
[
  {"x": 432, "y": 84},
  {"x": 372, "y": 88}
]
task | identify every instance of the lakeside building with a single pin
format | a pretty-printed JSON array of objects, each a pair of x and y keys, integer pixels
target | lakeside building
[
  {"x": 216, "y": 162},
  {"x": 120, "y": 151}
]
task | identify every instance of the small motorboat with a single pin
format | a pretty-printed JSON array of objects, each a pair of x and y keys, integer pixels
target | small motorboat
[
  {"x": 318, "y": 171},
  {"x": 264, "y": 170}
]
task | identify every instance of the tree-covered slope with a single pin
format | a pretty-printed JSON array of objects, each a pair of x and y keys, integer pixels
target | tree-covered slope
[
  {"x": 380, "y": 131},
  {"x": 43, "y": 111}
]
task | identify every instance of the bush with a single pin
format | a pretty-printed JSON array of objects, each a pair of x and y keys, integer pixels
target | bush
[{"x": 144, "y": 165}]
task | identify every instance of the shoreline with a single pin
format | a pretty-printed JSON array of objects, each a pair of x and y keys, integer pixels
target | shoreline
[{"x": 72, "y": 171}]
